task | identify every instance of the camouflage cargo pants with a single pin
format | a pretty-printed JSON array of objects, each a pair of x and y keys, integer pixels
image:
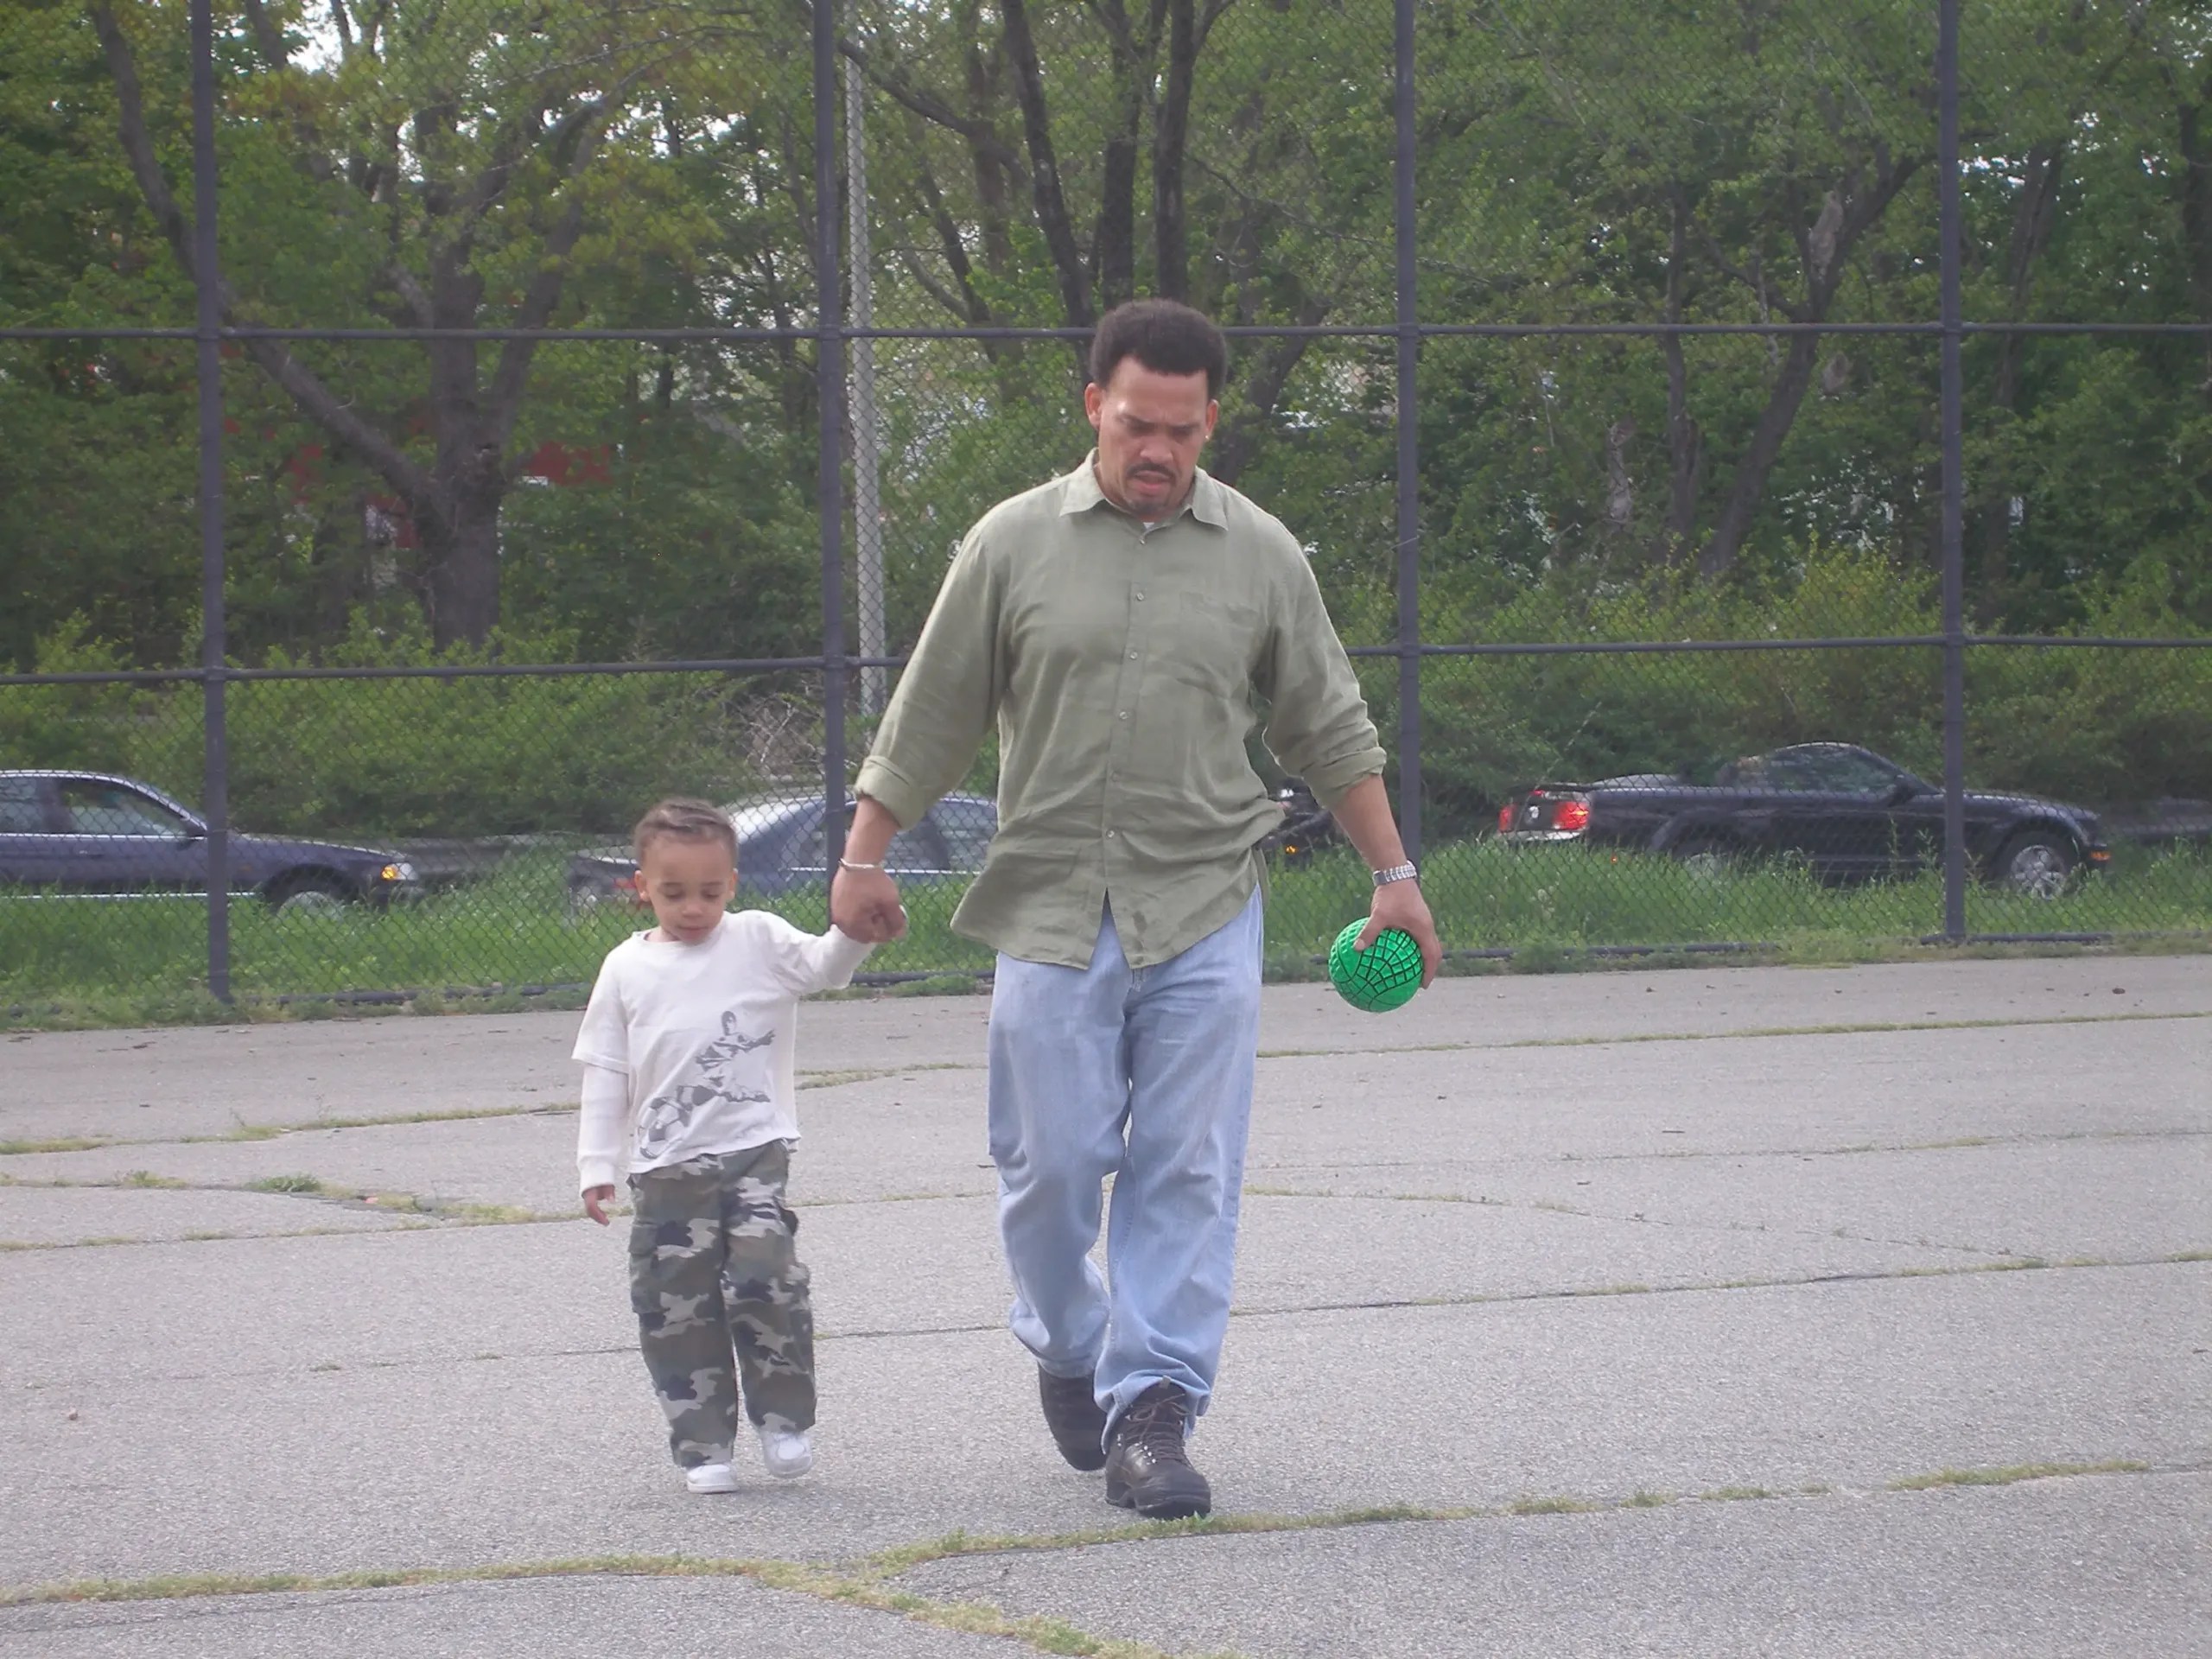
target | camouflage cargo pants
[{"x": 713, "y": 1275}]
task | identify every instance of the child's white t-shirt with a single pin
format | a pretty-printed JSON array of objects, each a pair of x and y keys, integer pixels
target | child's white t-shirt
[{"x": 704, "y": 1034}]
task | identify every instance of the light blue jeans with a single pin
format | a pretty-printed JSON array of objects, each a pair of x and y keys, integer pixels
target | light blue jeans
[{"x": 1144, "y": 1074}]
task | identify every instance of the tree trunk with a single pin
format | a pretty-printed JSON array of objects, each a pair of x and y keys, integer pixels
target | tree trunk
[
  {"x": 1044, "y": 171},
  {"x": 1170, "y": 141},
  {"x": 461, "y": 539},
  {"x": 1824, "y": 248},
  {"x": 1685, "y": 454},
  {"x": 2033, "y": 216},
  {"x": 1748, "y": 488}
]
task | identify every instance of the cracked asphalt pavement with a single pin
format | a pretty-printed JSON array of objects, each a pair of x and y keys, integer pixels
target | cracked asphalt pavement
[{"x": 1714, "y": 1311}]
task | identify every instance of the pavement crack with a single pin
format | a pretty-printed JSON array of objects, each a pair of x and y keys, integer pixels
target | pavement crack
[{"x": 871, "y": 1581}]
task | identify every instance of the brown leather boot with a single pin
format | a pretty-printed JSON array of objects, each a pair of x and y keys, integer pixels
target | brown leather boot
[
  {"x": 1072, "y": 1412},
  {"x": 1147, "y": 1468}
]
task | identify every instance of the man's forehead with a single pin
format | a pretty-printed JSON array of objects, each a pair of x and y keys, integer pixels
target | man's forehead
[{"x": 1160, "y": 399}]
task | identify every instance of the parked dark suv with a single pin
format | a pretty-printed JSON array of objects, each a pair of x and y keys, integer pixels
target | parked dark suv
[{"x": 92, "y": 834}]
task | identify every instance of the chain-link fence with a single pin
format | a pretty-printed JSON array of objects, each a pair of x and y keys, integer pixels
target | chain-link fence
[{"x": 1757, "y": 459}]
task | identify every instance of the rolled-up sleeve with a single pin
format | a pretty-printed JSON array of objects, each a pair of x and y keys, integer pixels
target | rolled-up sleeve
[
  {"x": 1318, "y": 724},
  {"x": 946, "y": 698}
]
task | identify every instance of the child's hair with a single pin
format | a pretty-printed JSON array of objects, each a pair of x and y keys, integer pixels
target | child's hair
[{"x": 681, "y": 818}]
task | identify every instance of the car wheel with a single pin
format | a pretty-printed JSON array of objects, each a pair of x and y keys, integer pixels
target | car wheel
[
  {"x": 311, "y": 895},
  {"x": 1706, "y": 855},
  {"x": 2038, "y": 863}
]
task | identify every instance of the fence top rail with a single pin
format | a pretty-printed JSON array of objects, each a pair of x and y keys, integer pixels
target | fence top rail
[
  {"x": 1255, "y": 331},
  {"x": 817, "y": 664}
]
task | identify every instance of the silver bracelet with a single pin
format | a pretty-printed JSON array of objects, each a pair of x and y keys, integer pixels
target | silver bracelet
[
  {"x": 1395, "y": 872},
  {"x": 847, "y": 864}
]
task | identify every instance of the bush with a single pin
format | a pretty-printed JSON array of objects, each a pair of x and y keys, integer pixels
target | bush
[{"x": 503, "y": 755}]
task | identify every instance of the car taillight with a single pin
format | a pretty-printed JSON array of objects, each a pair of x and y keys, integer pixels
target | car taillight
[
  {"x": 1505, "y": 818},
  {"x": 1572, "y": 815},
  {"x": 626, "y": 883}
]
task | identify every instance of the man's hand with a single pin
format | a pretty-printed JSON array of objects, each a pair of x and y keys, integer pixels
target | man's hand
[
  {"x": 596, "y": 1198},
  {"x": 1400, "y": 903},
  {"x": 864, "y": 905}
]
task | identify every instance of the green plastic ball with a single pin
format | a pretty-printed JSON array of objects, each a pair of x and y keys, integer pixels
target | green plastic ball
[{"x": 1385, "y": 975}]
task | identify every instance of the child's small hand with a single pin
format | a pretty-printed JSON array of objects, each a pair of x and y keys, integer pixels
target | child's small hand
[{"x": 594, "y": 1198}]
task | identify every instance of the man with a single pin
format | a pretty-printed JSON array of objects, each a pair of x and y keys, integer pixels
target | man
[{"x": 1117, "y": 624}]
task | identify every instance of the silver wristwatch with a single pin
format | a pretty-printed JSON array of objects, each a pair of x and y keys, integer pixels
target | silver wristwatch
[{"x": 1397, "y": 873}]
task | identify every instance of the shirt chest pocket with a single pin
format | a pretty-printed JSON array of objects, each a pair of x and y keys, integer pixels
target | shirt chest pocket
[{"x": 1206, "y": 642}]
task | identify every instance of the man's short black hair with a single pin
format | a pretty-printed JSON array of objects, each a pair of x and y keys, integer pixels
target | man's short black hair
[{"x": 1165, "y": 335}]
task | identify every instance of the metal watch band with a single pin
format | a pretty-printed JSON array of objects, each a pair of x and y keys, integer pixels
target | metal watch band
[{"x": 1397, "y": 873}]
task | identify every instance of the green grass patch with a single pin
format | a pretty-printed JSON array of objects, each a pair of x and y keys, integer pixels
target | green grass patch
[
  {"x": 479, "y": 947},
  {"x": 59, "y": 1143},
  {"x": 296, "y": 1184},
  {"x": 2013, "y": 1474}
]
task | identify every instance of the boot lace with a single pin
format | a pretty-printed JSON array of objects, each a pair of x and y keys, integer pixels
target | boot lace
[{"x": 1155, "y": 1421}]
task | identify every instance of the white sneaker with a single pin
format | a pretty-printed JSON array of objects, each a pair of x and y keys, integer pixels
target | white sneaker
[
  {"x": 711, "y": 1477},
  {"x": 788, "y": 1453}
]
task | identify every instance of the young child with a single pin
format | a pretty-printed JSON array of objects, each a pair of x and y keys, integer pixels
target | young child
[{"x": 687, "y": 1087}]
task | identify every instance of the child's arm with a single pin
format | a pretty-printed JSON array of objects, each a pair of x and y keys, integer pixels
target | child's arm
[
  {"x": 598, "y": 1136},
  {"x": 602, "y": 1125},
  {"x": 806, "y": 962}
]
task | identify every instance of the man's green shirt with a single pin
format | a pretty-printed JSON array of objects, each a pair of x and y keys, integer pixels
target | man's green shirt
[{"x": 1125, "y": 668}]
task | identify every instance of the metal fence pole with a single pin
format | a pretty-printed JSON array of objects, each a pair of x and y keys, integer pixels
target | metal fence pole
[
  {"x": 829, "y": 393},
  {"x": 214, "y": 788},
  {"x": 1409, "y": 773},
  {"x": 868, "y": 510},
  {"x": 1953, "y": 556}
]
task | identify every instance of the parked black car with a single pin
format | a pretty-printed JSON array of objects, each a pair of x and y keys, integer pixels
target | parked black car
[
  {"x": 1846, "y": 811},
  {"x": 91, "y": 833},
  {"x": 780, "y": 846}
]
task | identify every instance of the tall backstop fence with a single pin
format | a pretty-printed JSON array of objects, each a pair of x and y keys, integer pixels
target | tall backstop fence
[{"x": 1758, "y": 457}]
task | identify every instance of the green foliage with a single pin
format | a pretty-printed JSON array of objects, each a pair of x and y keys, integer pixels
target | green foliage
[
  {"x": 558, "y": 755},
  {"x": 81, "y": 726},
  {"x": 2102, "y": 725}
]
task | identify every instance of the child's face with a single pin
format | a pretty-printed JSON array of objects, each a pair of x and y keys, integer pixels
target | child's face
[{"x": 688, "y": 884}]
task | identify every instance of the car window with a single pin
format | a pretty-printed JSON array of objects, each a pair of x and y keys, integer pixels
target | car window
[
  {"x": 910, "y": 850},
  {"x": 1841, "y": 772},
  {"x": 966, "y": 826},
  {"x": 111, "y": 809},
  {"x": 21, "y": 811}
]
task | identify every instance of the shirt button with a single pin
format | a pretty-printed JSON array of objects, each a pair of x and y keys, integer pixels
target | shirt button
[
  {"x": 1140, "y": 597},
  {"x": 1133, "y": 656},
  {"x": 1124, "y": 714},
  {"x": 1109, "y": 835}
]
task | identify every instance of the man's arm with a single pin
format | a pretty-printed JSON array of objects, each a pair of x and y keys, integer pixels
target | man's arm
[
  {"x": 1318, "y": 727},
  {"x": 945, "y": 701},
  {"x": 863, "y": 902},
  {"x": 1363, "y": 813}
]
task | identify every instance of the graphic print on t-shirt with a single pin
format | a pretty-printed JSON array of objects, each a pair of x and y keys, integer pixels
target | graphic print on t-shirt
[{"x": 667, "y": 1116}]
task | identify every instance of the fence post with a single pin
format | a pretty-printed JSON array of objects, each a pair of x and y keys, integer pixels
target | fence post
[
  {"x": 1952, "y": 554},
  {"x": 830, "y": 394},
  {"x": 1408, "y": 517},
  {"x": 214, "y": 788}
]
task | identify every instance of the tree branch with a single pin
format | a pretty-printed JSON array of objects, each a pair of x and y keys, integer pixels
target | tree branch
[
  {"x": 926, "y": 104},
  {"x": 314, "y": 399},
  {"x": 1045, "y": 172},
  {"x": 267, "y": 37}
]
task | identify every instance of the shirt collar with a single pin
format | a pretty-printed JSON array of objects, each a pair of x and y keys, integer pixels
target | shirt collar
[{"x": 1205, "y": 502}]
